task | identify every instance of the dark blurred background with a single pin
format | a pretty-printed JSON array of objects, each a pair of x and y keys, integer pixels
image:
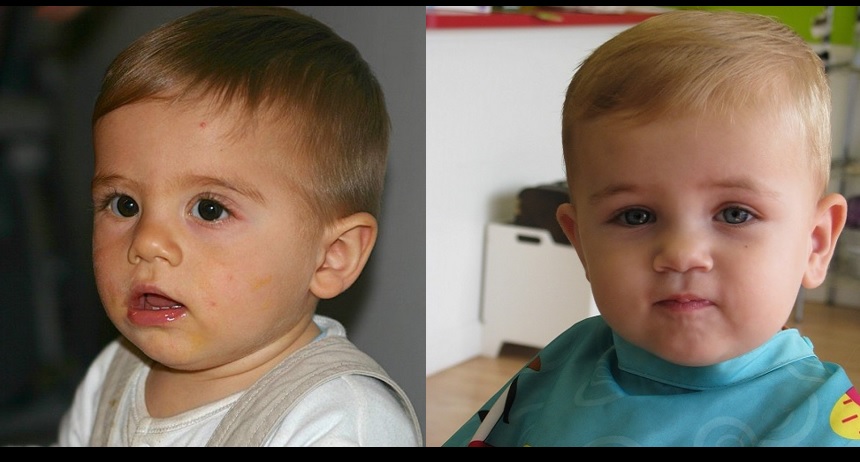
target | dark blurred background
[{"x": 51, "y": 321}]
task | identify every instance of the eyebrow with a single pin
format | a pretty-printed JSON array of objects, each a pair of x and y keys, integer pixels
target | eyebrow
[
  {"x": 747, "y": 185},
  {"x": 610, "y": 191},
  {"x": 241, "y": 187},
  {"x": 744, "y": 184}
]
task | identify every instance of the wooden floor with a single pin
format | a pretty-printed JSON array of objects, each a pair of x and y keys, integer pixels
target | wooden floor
[{"x": 454, "y": 394}]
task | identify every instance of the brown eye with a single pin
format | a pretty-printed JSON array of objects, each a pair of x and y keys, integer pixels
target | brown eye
[
  {"x": 124, "y": 206},
  {"x": 209, "y": 210}
]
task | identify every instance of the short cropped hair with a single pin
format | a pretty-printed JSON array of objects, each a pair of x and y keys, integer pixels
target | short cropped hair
[
  {"x": 276, "y": 63},
  {"x": 689, "y": 62}
]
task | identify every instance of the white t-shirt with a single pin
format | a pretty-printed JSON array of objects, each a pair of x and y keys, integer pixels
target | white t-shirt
[{"x": 352, "y": 410}]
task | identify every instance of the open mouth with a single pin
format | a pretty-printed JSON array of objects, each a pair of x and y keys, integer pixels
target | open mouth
[
  {"x": 159, "y": 302},
  {"x": 155, "y": 309}
]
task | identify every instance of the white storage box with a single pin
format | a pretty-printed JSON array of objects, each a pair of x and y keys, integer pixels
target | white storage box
[{"x": 533, "y": 288}]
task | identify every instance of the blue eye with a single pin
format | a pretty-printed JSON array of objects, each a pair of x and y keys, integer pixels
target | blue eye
[
  {"x": 209, "y": 210},
  {"x": 635, "y": 217},
  {"x": 735, "y": 215},
  {"x": 124, "y": 206}
]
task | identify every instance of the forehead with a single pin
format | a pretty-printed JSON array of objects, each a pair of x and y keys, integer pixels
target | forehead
[
  {"x": 166, "y": 138},
  {"x": 197, "y": 121},
  {"x": 677, "y": 149}
]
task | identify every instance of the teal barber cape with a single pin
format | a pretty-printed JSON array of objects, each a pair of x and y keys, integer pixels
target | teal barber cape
[{"x": 589, "y": 387}]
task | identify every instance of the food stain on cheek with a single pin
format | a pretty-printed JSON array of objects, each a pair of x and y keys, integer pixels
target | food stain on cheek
[
  {"x": 260, "y": 283},
  {"x": 197, "y": 341}
]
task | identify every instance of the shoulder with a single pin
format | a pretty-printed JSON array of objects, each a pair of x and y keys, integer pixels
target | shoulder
[
  {"x": 329, "y": 327},
  {"x": 101, "y": 364},
  {"x": 76, "y": 425},
  {"x": 350, "y": 410},
  {"x": 336, "y": 395},
  {"x": 580, "y": 345}
]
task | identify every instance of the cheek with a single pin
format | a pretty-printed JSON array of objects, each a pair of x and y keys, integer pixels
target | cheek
[
  {"x": 771, "y": 275},
  {"x": 272, "y": 278},
  {"x": 776, "y": 256},
  {"x": 110, "y": 247},
  {"x": 615, "y": 275},
  {"x": 219, "y": 283},
  {"x": 112, "y": 287},
  {"x": 260, "y": 283},
  {"x": 608, "y": 259},
  {"x": 106, "y": 268}
]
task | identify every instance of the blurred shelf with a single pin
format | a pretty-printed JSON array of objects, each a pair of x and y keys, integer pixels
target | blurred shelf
[{"x": 850, "y": 167}]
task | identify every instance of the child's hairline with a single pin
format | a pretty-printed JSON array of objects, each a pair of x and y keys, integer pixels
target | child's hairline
[{"x": 712, "y": 70}]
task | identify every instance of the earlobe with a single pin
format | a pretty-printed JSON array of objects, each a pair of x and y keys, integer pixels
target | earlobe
[
  {"x": 832, "y": 211},
  {"x": 565, "y": 214},
  {"x": 347, "y": 247}
]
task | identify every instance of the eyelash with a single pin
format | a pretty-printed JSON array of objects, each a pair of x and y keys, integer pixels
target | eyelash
[
  {"x": 211, "y": 197},
  {"x": 619, "y": 218},
  {"x": 105, "y": 202}
]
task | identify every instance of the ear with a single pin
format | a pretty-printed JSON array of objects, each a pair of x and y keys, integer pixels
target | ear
[
  {"x": 831, "y": 214},
  {"x": 566, "y": 216},
  {"x": 346, "y": 246}
]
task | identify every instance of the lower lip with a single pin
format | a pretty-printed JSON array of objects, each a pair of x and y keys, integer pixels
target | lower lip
[
  {"x": 155, "y": 317},
  {"x": 692, "y": 305}
]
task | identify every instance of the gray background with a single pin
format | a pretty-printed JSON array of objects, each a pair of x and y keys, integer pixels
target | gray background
[{"x": 51, "y": 322}]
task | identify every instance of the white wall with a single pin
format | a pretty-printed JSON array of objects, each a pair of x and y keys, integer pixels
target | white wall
[{"x": 494, "y": 101}]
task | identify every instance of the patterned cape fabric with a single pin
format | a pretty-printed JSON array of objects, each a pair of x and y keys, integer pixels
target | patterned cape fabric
[{"x": 589, "y": 387}]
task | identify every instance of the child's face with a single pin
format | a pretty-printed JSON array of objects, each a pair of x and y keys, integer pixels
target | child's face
[
  {"x": 202, "y": 252},
  {"x": 695, "y": 233}
]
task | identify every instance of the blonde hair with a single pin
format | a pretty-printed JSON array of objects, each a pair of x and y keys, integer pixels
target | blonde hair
[
  {"x": 704, "y": 62},
  {"x": 277, "y": 63}
]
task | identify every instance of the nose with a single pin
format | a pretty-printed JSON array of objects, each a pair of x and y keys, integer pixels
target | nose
[
  {"x": 153, "y": 240},
  {"x": 683, "y": 250}
]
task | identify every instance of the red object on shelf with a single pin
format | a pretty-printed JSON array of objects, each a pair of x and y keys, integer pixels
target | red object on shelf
[{"x": 452, "y": 19}]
